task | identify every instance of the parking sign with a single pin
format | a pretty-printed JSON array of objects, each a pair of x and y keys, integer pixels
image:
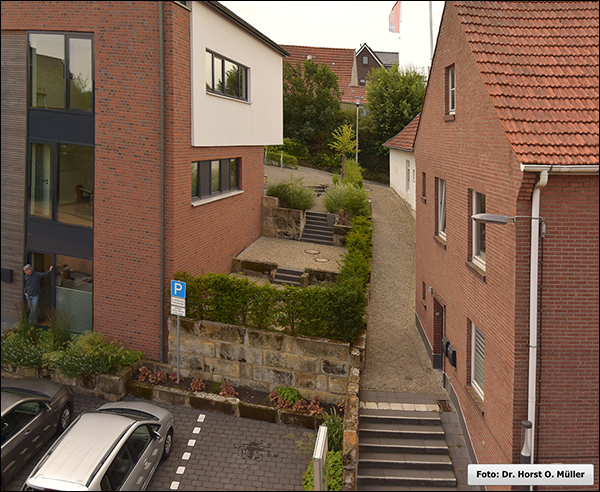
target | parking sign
[{"x": 178, "y": 289}]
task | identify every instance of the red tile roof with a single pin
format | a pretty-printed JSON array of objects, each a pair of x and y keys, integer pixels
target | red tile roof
[
  {"x": 405, "y": 140},
  {"x": 539, "y": 61},
  {"x": 339, "y": 60}
]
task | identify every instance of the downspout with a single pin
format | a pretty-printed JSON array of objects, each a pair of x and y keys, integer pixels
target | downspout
[
  {"x": 533, "y": 306},
  {"x": 162, "y": 183}
]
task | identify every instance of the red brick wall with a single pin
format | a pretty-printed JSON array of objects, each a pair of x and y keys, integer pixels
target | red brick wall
[
  {"x": 472, "y": 152},
  {"x": 127, "y": 209}
]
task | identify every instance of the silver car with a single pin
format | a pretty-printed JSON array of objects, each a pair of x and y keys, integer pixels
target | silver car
[
  {"x": 33, "y": 410},
  {"x": 116, "y": 447}
]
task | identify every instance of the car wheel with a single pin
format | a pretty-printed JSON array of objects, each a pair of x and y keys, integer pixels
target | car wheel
[
  {"x": 66, "y": 413},
  {"x": 168, "y": 447}
]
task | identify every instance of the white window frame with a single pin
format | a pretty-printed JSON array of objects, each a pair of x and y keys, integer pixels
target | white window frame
[
  {"x": 441, "y": 192},
  {"x": 477, "y": 360},
  {"x": 478, "y": 228},
  {"x": 407, "y": 175},
  {"x": 365, "y": 60},
  {"x": 451, "y": 89}
]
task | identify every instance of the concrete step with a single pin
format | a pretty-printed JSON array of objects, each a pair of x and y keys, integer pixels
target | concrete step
[
  {"x": 383, "y": 459},
  {"x": 324, "y": 242},
  {"x": 400, "y": 417},
  {"x": 386, "y": 430},
  {"x": 402, "y": 478},
  {"x": 288, "y": 276},
  {"x": 402, "y": 445},
  {"x": 318, "y": 227}
]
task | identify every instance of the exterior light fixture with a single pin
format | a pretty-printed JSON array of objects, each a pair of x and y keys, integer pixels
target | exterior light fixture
[{"x": 501, "y": 219}]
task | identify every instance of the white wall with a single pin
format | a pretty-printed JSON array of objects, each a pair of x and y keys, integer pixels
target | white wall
[
  {"x": 221, "y": 121},
  {"x": 398, "y": 166}
]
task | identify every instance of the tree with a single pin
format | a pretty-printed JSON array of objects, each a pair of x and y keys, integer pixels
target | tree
[
  {"x": 311, "y": 103},
  {"x": 394, "y": 98},
  {"x": 344, "y": 142}
]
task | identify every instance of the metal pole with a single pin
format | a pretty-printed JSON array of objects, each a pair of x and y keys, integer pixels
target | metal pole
[
  {"x": 356, "y": 154},
  {"x": 177, "y": 349}
]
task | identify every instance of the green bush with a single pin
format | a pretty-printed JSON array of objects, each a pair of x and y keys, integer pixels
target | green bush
[
  {"x": 289, "y": 394},
  {"x": 293, "y": 194},
  {"x": 335, "y": 431},
  {"x": 18, "y": 349},
  {"x": 274, "y": 158},
  {"x": 326, "y": 160},
  {"x": 334, "y": 476},
  {"x": 349, "y": 198},
  {"x": 353, "y": 173}
]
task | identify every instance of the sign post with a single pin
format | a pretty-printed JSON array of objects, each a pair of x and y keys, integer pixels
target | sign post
[{"x": 177, "y": 309}]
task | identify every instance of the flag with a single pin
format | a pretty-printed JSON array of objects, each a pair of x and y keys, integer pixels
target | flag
[{"x": 395, "y": 18}]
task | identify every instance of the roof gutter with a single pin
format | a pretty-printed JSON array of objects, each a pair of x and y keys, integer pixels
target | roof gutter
[{"x": 536, "y": 168}]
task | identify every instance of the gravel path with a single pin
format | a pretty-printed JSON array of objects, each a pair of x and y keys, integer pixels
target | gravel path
[{"x": 396, "y": 359}]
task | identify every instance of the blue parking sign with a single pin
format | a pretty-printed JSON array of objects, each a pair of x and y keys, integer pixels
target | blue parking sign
[{"x": 178, "y": 289}]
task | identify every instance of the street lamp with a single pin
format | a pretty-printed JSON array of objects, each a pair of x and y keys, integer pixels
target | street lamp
[
  {"x": 537, "y": 230},
  {"x": 357, "y": 100}
]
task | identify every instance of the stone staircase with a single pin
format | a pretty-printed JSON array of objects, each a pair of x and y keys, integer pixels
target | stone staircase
[
  {"x": 316, "y": 229},
  {"x": 288, "y": 276},
  {"x": 403, "y": 450},
  {"x": 319, "y": 189}
]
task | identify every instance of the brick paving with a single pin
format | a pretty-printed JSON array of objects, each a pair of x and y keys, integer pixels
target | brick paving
[{"x": 229, "y": 453}]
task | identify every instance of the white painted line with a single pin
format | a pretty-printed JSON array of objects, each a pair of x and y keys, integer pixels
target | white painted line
[
  {"x": 192, "y": 442},
  {"x": 196, "y": 430},
  {"x": 361, "y": 404},
  {"x": 174, "y": 485},
  {"x": 180, "y": 470},
  {"x": 186, "y": 456},
  {"x": 408, "y": 406},
  {"x": 396, "y": 406},
  {"x": 201, "y": 417},
  {"x": 433, "y": 408},
  {"x": 371, "y": 404},
  {"x": 421, "y": 408},
  {"x": 383, "y": 406}
]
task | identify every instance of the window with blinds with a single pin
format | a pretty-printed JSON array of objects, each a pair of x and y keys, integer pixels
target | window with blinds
[{"x": 477, "y": 360}]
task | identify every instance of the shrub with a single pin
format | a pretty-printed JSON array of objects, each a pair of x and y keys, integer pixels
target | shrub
[
  {"x": 334, "y": 476},
  {"x": 227, "y": 390},
  {"x": 353, "y": 174},
  {"x": 293, "y": 194},
  {"x": 274, "y": 158},
  {"x": 19, "y": 351},
  {"x": 197, "y": 385},
  {"x": 335, "y": 431},
  {"x": 291, "y": 395},
  {"x": 349, "y": 198},
  {"x": 326, "y": 160}
]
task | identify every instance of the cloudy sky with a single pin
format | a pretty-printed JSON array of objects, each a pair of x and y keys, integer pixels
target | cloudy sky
[{"x": 346, "y": 25}]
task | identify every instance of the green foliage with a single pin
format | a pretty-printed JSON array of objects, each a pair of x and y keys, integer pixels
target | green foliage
[
  {"x": 335, "y": 473},
  {"x": 344, "y": 140},
  {"x": 347, "y": 197},
  {"x": 353, "y": 173},
  {"x": 60, "y": 328},
  {"x": 394, "y": 98},
  {"x": 293, "y": 194},
  {"x": 335, "y": 431},
  {"x": 326, "y": 160},
  {"x": 274, "y": 157},
  {"x": 311, "y": 103},
  {"x": 335, "y": 179},
  {"x": 18, "y": 349},
  {"x": 291, "y": 148},
  {"x": 90, "y": 354},
  {"x": 291, "y": 395}
]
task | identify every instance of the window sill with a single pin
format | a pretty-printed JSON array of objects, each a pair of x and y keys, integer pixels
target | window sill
[
  {"x": 475, "y": 398},
  {"x": 440, "y": 241},
  {"x": 449, "y": 117},
  {"x": 424, "y": 304},
  {"x": 196, "y": 202},
  {"x": 476, "y": 269},
  {"x": 228, "y": 98},
  {"x": 424, "y": 200}
]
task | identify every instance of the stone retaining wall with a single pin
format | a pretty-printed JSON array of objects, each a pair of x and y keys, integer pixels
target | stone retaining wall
[
  {"x": 282, "y": 223},
  {"x": 261, "y": 360}
]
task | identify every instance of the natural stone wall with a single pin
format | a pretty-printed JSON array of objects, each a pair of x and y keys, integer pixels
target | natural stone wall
[
  {"x": 282, "y": 223},
  {"x": 339, "y": 234},
  {"x": 261, "y": 360}
]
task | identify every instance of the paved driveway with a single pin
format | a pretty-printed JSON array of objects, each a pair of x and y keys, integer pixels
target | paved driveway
[{"x": 218, "y": 452}]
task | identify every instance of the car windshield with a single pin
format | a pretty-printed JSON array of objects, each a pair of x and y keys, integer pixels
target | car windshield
[{"x": 129, "y": 412}]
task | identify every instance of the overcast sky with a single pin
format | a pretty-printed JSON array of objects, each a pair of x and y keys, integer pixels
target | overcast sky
[{"x": 346, "y": 25}]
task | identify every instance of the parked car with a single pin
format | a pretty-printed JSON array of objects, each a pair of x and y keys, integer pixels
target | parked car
[
  {"x": 33, "y": 410},
  {"x": 116, "y": 447}
]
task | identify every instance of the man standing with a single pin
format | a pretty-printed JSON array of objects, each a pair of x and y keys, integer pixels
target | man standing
[{"x": 32, "y": 289}]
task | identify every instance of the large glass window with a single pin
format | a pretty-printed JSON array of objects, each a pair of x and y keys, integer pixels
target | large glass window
[
  {"x": 54, "y": 59},
  {"x": 226, "y": 77},
  {"x": 478, "y": 230},
  {"x": 61, "y": 183},
  {"x": 214, "y": 177},
  {"x": 73, "y": 280}
]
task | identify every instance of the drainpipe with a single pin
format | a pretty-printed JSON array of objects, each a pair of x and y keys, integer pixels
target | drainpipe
[
  {"x": 162, "y": 183},
  {"x": 533, "y": 307}
]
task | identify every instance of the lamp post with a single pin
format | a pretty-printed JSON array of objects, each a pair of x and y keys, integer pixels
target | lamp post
[
  {"x": 357, "y": 100},
  {"x": 537, "y": 228}
]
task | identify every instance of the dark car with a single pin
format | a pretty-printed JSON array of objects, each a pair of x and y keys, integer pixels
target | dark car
[{"x": 33, "y": 410}]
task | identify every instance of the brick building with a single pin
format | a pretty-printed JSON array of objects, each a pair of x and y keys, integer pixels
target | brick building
[
  {"x": 509, "y": 127},
  {"x": 132, "y": 148}
]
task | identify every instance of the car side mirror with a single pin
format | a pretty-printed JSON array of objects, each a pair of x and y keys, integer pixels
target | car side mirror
[
  {"x": 155, "y": 434},
  {"x": 47, "y": 407}
]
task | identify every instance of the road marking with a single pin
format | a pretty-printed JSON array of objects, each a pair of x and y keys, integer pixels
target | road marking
[
  {"x": 201, "y": 417},
  {"x": 174, "y": 485},
  {"x": 180, "y": 470},
  {"x": 192, "y": 442},
  {"x": 196, "y": 430},
  {"x": 186, "y": 456}
]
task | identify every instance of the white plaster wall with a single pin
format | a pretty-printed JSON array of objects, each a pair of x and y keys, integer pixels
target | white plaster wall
[
  {"x": 221, "y": 121},
  {"x": 398, "y": 160}
]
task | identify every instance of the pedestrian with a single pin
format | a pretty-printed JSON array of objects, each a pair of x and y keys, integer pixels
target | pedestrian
[{"x": 32, "y": 290}]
